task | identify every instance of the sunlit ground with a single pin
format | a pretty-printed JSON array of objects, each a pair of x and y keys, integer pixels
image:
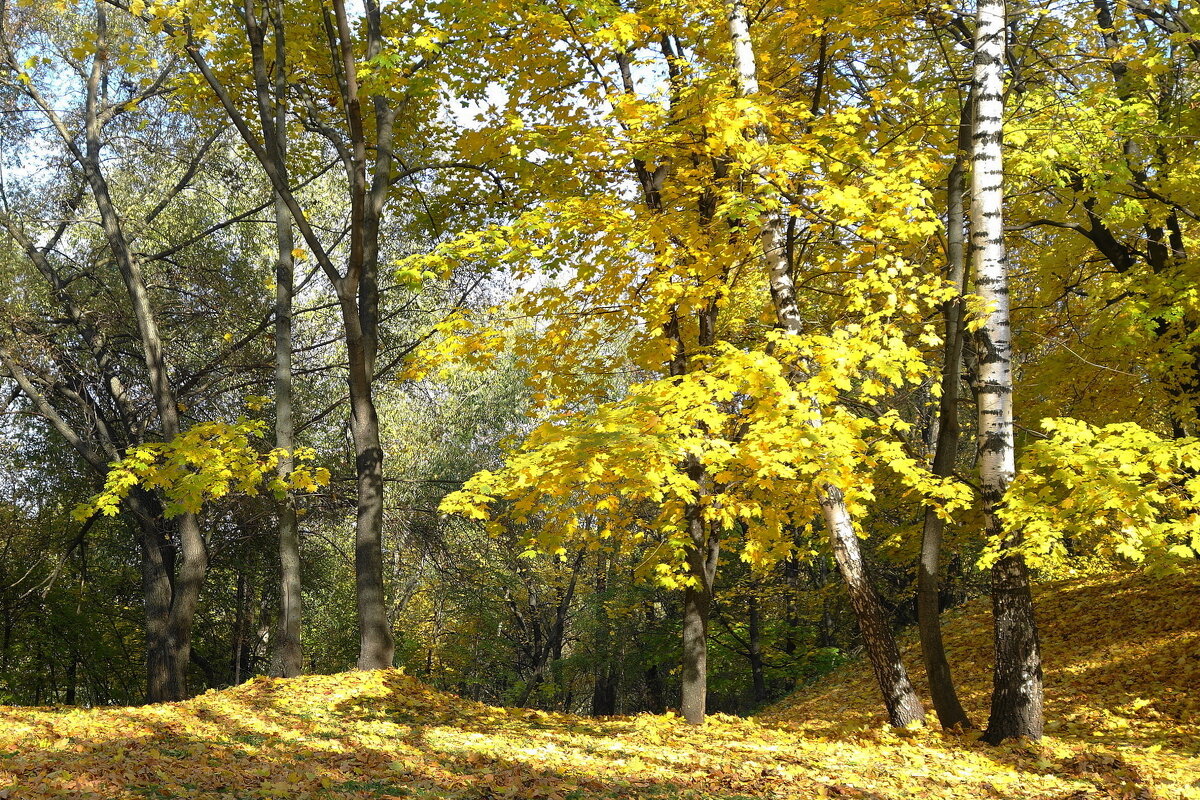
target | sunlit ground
[{"x": 1123, "y": 703}]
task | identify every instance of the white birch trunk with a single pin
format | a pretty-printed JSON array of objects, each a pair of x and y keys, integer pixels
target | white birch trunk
[{"x": 1017, "y": 679}]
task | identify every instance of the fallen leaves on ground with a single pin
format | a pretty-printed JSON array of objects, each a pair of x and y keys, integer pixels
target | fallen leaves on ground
[{"x": 1123, "y": 705}]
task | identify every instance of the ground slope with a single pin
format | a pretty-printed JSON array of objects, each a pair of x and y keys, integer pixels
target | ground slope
[{"x": 1123, "y": 687}]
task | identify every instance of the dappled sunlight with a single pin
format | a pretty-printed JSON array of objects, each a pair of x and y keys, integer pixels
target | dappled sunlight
[
  {"x": 1122, "y": 724},
  {"x": 1122, "y": 662}
]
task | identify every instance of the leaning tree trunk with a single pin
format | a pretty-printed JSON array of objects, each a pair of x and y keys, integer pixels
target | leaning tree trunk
[
  {"x": 903, "y": 705},
  {"x": 192, "y": 552},
  {"x": 1017, "y": 678},
  {"x": 937, "y": 667},
  {"x": 899, "y": 696}
]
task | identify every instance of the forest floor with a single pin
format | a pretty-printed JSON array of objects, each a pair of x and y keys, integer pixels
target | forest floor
[{"x": 1123, "y": 709}]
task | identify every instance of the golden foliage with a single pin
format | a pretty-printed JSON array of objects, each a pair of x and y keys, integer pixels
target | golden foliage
[{"x": 206, "y": 462}]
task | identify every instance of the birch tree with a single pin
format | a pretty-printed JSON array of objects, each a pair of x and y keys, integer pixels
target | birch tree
[{"x": 1016, "y": 709}]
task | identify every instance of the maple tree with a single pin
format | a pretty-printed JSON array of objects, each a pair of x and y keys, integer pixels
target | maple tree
[
  {"x": 617, "y": 356},
  {"x": 113, "y": 414}
]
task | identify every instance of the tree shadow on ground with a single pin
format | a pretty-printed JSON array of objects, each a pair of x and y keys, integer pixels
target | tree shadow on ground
[
  {"x": 381, "y": 744},
  {"x": 1122, "y": 677},
  {"x": 371, "y": 735}
]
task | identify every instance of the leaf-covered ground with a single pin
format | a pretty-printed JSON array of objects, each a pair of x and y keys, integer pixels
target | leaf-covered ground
[{"x": 1123, "y": 702}]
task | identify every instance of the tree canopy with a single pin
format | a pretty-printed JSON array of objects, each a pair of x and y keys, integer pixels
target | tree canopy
[{"x": 599, "y": 357}]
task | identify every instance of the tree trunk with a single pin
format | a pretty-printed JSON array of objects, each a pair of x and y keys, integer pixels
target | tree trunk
[
  {"x": 1017, "y": 678},
  {"x": 656, "y": 694},
  {"x": 289, "y": 653},
  {"x": 607, "y": 674},
  {"x": 165, "y": 673},
  {"x": 696, "y": 607},
  {"x": 72, "y": 678},
  {"x": 899, "y": 697},
  {"x": 175, "y": 648},
  {"x": 357, "y": 289},
  {"x": 791, "y": 612},
  {"x": 757, "y": 668},
  {"x": 239, "y": 631},
  {"x": 376, "y": 644},
  {"x": 702, "y": 556},
  {"x": 604, "y": 691},
  {"x": 903, "y": 705},
  {"x": 359, "y": 296},
  {"x": 288, "y": 658},
  {"x": 937, "y": 668},
  {"x": 547, "y": 651}
]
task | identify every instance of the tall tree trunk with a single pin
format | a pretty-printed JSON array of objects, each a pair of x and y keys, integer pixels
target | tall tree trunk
[
  {"x": 193, "y": 556},
  {"x": 941, "y": 684},
  {"x": 1017, "y": 679},
  {"x": 359, "y": 297},
  {"x": 288, "y": 659},
  {"x": 702, "y": 553},
  {"x": 357, "y": 289},
  {"x": 903, "y": 705},
  {"x": 289, "y": 652},
  {"x": 604, "y": 691}
]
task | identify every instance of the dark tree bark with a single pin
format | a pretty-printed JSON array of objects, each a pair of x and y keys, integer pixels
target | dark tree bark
[
  {"x": 937, "y": 667},
  {"x": 899, "y": 697},
  {"x": 758, "y": 675},
  {"x": 1016, "y": 710},
  {"x": 368, "y": 174},
  {"x": 604, "y": 691},
  {"x": 656, "y": 693},
  {"x": 607, "y": 675}
]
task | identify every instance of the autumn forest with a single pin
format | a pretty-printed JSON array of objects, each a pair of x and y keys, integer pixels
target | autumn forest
[{"x": 617, "y": 398}]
